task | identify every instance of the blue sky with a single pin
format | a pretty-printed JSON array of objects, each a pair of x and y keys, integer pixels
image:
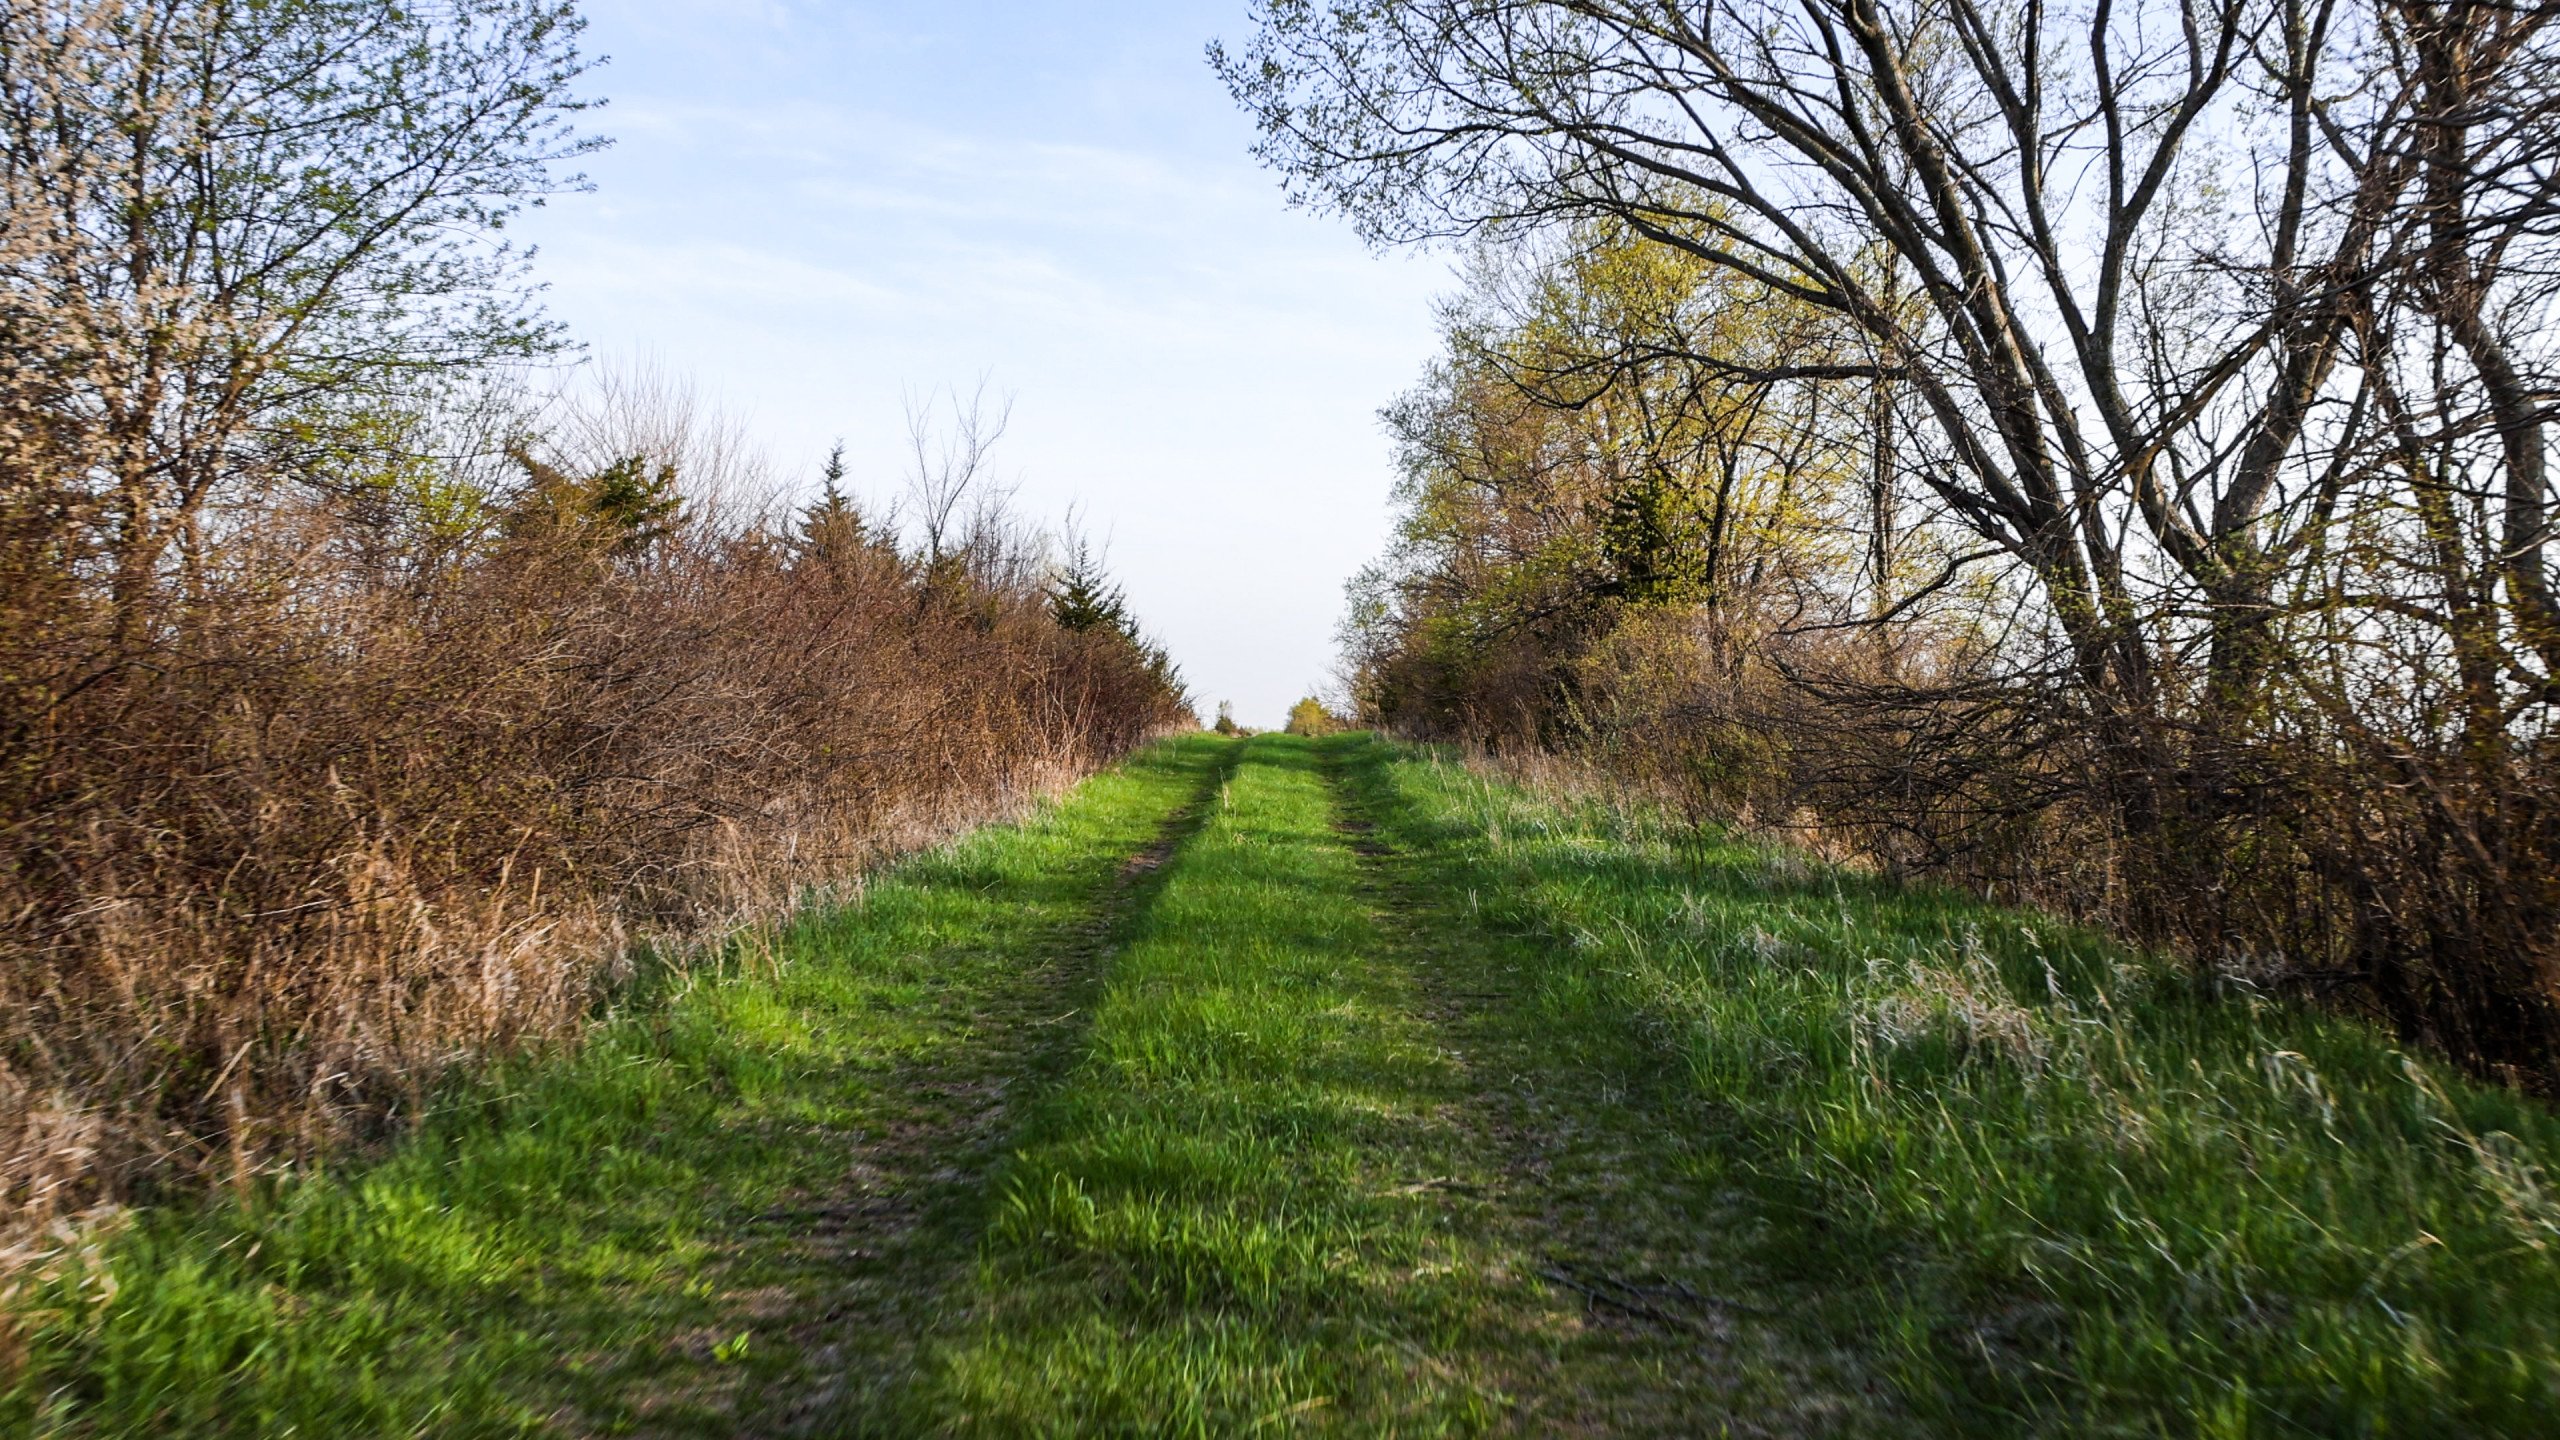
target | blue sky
[{"x": 813, "y": 208}]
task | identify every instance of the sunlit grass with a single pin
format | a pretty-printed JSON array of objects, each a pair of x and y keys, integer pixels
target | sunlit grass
[
  {"x": 2071, "y": 1190},
  {"x": 1286, "y": 1139},
  {"x": 1210, "y": 1230}
]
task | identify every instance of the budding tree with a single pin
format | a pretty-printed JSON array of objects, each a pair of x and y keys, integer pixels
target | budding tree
[
  {"x": 2111, "y": 257},
  {"x": 225, "y": 227}
]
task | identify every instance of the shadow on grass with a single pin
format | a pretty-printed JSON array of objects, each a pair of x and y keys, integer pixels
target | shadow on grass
[
  {"x": 1715, "y": 1285},
  {"x": 2048, "y": 1183}
]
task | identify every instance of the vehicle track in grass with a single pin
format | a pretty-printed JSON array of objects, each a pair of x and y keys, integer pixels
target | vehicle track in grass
[
  {"x": 1594, "y": 1175},
  {"x": 1197, "y": 1105},
  {"x": 1229, "y": 1218},
  {"x": 727, "y": 1213},
  {"x": 1320, "y": 1171},
  {"x": 844, "y": 1282},
  {"x": 1369, "y": 1095}
]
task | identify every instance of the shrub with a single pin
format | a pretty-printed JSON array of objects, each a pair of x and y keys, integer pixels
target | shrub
[
  {"x": 350, "y": 822},
  {"x": 1310, "y": 717}
]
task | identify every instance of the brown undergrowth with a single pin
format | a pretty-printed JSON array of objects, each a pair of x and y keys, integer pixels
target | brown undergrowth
[{"x": 358, "y": 800}]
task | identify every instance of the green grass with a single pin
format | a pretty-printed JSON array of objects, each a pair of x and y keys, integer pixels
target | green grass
[
  {"x": 1310, "y": 1178},
  {"x": 1227, "y": 1219},
  {"x": 2046, "y": 1186},
  {"x": 1396, "y": 1100},
  {"x": 726, "y": 1212}
]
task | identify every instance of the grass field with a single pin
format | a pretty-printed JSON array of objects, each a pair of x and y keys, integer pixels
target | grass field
[{"x": 1276, "y": 1086}]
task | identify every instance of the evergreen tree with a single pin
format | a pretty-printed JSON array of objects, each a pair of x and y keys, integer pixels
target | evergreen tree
[
  {"x": 628, "y": 506},
  {"x": 830, "y": 527},
  {"x": 1084, "y": 598},
  {"x": 641, "y": 504}
]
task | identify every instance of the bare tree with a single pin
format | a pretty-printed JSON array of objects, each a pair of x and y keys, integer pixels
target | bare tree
[
  {"x": 2219, "y": 330},
  {"x": 950, "y": 483},
  {"x": 2113, "y": 373}
]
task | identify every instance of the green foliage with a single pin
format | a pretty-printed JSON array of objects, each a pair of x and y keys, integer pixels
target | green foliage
[
  {"x": 626, "y": 508},
  {"x": 1083, "y": 597},
  {"x": 1167, "y": 679},
  {"x": 1226, "y": 724},
  {"x": 636, "y": 502},
  {"x": 831, "y": 529},
  {"x": 1572, "y": 460},
  {"x": 1309, "y": 718},
  {"x": 381, "y": 463},
  {"x": 1650, "y": 538},
  {"x": 1084, "y": 601}
]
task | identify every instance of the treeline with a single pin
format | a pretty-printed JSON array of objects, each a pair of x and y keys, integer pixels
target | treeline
[
  {"x": 2099, "y": 455},
  {"x": 362, "y": 714}
]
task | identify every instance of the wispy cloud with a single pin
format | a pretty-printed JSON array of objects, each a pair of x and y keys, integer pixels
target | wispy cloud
[{"x": 813, "y": 206}]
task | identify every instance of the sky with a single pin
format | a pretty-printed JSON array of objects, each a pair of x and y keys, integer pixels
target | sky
[{"x": 815, "y": 210}]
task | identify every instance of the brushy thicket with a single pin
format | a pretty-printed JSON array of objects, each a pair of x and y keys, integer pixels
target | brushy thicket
[
  {"x": 367, "y": 809},
  {"x": 358, "y": 719}
]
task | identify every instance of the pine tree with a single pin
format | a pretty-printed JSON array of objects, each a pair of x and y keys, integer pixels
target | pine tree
[
  {"x": 831, "y": 529},
  {"x": 639, "y": 504},
  {"x": 1084, "y": 597},
  {"x": 628, "y": 506}
]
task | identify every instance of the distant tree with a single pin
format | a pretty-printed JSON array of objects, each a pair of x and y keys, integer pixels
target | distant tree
[
  {"x": 628, "y": 507},
  {"x": 1226, "y": 718},
  {"x": 1084, "y": 601},
  {"x": 637, "y": 502},
  {"x": 1083, "y": 597},
  {"x": 1310, "y": 717},
  {"x": 949, "y": 472},
  {"x": 831, "y": 528}
]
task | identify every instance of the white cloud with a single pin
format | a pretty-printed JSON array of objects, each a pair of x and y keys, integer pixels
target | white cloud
[{"x": 813, "y": 207}]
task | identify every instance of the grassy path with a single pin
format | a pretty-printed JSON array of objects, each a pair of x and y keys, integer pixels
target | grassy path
[
  {"x": 1242, "y": 1211},
  {"x": 1288, "y": 1087},
  {"x": 1423, "y": 1104},
  {"x": 1603, "y": 1177},
  {"x": 1320, "y": 1170},
  {"x": 727, "y": 1215}
]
